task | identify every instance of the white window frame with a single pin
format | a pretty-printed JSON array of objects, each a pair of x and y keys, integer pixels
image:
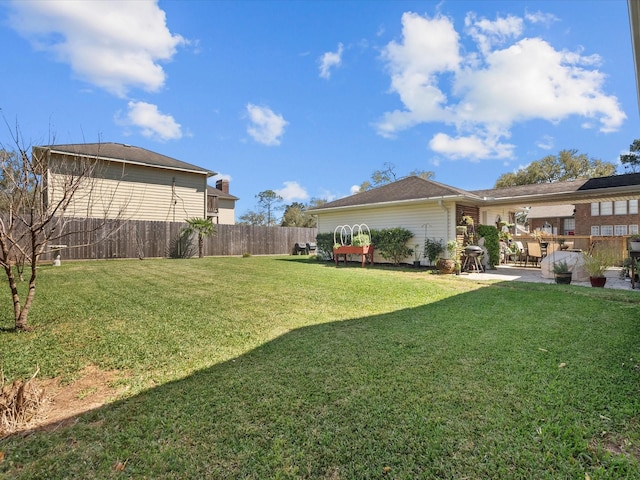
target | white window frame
[
  {"x": 606, "y": 230},
  {"x": 633, "y": 207},
  {"x": 606, "y": 208},
  {"x": 595, "y": 230},
  {"x": 633, "y": 229},
  {"x": 569, "y": 225},
  {"x": 619, "y": 230},
  {"x": 620, "y": 207},
  {"x": 595, "y": 209}
]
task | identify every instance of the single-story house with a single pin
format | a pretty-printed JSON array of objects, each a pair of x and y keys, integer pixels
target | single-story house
[
  {"x": 432, "y": 210},
  {"x": 129, "y": 182}
]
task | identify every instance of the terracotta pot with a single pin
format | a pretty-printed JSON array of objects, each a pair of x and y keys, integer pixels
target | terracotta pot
[
  {"x": 598, "y": 281},
  {"x": 445, "y": 265}
]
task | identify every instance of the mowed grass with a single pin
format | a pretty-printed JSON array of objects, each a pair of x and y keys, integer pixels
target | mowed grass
[{"x": 283, "y": 367}]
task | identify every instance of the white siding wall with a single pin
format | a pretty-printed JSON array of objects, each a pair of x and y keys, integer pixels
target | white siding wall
[
  {"x": 439, "y": 221},
  {"x": 488, "y": 215},
  {"x": 133, "y": 192}
]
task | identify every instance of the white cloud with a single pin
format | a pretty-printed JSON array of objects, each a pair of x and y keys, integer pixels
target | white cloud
[
  {"x": 546, "y": 142},
  {"x": 221, "y": 176},
  {"x": 507, "y": 80},
  {"x": 430, "y": 47},
  {"x": 472, "y": 147},
  {"x": 266, "y": 126},
  {"x": 545, "y": 19},
  {"x": 354, "y": 189},
  {"x": 152, "y": 122},
  {"x": 329, "y": 60},
  {"x": 292, "y": 191},
  {"x": 113, "y": 45},
  {"x": 487, "y": 33}
]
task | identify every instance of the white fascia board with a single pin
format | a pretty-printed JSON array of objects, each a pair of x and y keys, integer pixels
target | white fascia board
[{"x": 394, "y": 203}]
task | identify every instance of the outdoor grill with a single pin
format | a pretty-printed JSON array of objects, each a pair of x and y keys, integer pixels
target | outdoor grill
[
  {"x": 472, "y": 251},
  {"x": 472, "y": 258}
]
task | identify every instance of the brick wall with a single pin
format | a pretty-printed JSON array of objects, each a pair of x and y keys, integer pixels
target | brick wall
[{"x": 584, "y": 220}]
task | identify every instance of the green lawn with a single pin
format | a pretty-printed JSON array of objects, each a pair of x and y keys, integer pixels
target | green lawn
[{"x": 283, "y": 367}]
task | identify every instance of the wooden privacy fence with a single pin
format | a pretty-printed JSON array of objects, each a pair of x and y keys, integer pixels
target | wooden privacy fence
[{"x": 95, "y": 239}]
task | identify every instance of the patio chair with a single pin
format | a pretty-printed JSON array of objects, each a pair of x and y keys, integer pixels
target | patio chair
[
  {"x": 552, "y": 247},
  {"x": 521, "y": 253},
  {"x": 534, "y": 253},
  {"x": 506, "y": 254}
]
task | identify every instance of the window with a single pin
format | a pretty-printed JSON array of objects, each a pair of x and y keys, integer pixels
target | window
[
  {"x": 620, "y": 230},
  {"x": 633, "y": 207},
  {"x": 620, "y": 207},
  {"x": 633, "y": 229},
  {"x": 569, "y": 225},
  {"x": 606, "y": 230},
  {"x": 606, "y": 208},
  {"x": 595, "y": 230},
  {"x": 595, "y": 209}
]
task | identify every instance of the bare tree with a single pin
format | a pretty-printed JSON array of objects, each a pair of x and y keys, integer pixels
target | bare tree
[{"x": 33, "y": 204}]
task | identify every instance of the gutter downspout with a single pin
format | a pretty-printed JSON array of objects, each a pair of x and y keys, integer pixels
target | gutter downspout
[{"x": 448, "y": 216}]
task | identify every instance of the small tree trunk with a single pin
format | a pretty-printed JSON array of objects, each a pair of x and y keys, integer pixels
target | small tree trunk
[
  {"x": 19, "y": 324},
  {"x": 200, "y": 246},
  {"x": 24, "y": 313}
]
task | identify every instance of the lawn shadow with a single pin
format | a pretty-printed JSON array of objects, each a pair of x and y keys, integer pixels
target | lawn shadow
[{"x": 430, "y": 392}]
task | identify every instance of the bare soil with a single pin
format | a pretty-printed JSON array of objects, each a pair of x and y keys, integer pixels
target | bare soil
[{"x": 64, "y": 402}]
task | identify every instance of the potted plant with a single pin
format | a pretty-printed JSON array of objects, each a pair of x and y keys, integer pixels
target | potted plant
[
  {"x": 454, "y": 254},
  {"x": 433, "y": 249},
  {"x": 361, "y": 240},
  {"x": 448, "y": 264},
  {"x": 562, "y": 273},
  {"x": 634, "y": 243},
  {"x": 597, "y": 261}
]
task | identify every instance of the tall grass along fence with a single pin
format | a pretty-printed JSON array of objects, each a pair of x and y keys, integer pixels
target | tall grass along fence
[{"x": 95, "y": 239}]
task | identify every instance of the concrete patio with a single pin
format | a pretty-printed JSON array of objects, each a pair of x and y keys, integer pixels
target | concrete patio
[{"x": 534, "y": 274}]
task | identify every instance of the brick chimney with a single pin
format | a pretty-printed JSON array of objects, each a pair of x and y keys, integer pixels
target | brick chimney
[{"x": 223, "y": 185}]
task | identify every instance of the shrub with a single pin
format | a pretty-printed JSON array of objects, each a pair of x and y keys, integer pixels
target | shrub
[
  {"x": 324, "y": 245},
  {"x": 180, "y": 246},
  {"x": 391, "y": 243},
  {"x": 491, "y": 242},
  {"x": 433, "y": 249}
]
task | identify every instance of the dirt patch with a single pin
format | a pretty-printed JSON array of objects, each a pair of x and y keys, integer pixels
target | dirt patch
[{"x": 64, "y": 402}]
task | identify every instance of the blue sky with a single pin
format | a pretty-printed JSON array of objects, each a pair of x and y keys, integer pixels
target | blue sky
[{"x": 308, "y": 98}]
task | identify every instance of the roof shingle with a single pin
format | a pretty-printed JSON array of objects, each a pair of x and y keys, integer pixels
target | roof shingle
[{"x": 126, "y": 153}]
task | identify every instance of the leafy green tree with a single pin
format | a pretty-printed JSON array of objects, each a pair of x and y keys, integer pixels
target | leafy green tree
[
  {"x": 631, "y": 160},
  {"x": 252, "y": 217},
  {"x": 388, "y": 175},
  {"x": 202, "y": 227},
  {"x": 567, "y": 165},
  {"x": 296, "y": 215}
]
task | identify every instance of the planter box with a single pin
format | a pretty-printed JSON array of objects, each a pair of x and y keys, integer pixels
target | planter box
[{"x": 366, "y": 252}]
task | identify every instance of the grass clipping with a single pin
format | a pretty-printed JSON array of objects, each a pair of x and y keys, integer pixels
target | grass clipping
[{"x": 20, "y": 403}]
